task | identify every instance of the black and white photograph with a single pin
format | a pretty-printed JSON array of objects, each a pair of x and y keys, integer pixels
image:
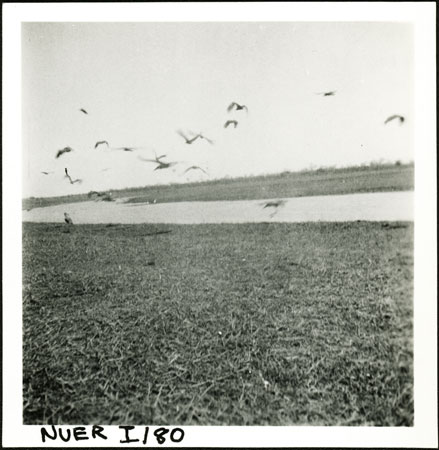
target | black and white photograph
[{"x": 217, "y": 223}]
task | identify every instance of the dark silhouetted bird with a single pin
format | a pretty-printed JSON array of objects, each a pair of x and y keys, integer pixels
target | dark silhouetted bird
[
  {"x": 64, "y": 150},
  {"x": 101, "y": 142},
  {"x": 47, "y": 173},
  {"x": 231, "y": 122},
  {"x": 395, "y": 116},
  {"x": 326, "y": 94},
  {"x": 70, "y": 178},
  {"x": 195, "y": 168},
  {"x": 83, "y": 111},
  {"x": 68, "y": 219},
  {"x": 274, "y": 204},
  {"x": 236, "y": 106}
]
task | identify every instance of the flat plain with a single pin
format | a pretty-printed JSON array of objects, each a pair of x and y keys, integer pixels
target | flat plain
[{"x": 228, "y": 324}]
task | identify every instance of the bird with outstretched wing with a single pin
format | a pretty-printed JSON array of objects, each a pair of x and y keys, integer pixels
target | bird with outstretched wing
[
  {"x": 236, "y": 106},
  {"x": 395, "y": 116},
  {"x": 231, "y": 122},
  {"x": 195, "y": 168},
  {"x": 188, "y": 140},
  {"x": 63, "y": 150},
  {"x": 70, "y": 178},
  {"x": 101, "y": 143}
]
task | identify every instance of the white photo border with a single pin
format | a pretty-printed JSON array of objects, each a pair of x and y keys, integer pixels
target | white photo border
[{"x": 422, "y": 15}]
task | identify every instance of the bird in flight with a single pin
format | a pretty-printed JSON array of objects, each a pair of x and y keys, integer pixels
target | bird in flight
[
  {"x": 68, "y": 220},
  {"x": 237, "y": 107},
  {"x": 326, "y": 94},
  {"x": 195, "y": 168},
  {"x": 205, "y": 138},
  {"x": 100, "y": 143},
  {"x": 231, "y": 122},
  {"x": 64, "y": 150},
  {"x": 187, "y": 140},
  {"x": 395, "y": 116},
  {"x": 161, "y": 164},
  {"x": 106, "y": 196},
  {"x": 164, "y": 165},
  {"x": 46, "y": 173},
  {"x": 156, "y": 160},
  {"x": 83, "y": 111},
  {"x": 128, "y": 149},
  {"x": 70, "y": 178},
  {"x": 274, "y": 204}
]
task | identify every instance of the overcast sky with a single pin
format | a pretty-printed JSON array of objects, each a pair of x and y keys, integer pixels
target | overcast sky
[{"x": 140, "y": 82}]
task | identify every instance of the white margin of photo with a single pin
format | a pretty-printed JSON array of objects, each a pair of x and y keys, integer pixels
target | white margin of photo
[{"x": 422, "y": 15}]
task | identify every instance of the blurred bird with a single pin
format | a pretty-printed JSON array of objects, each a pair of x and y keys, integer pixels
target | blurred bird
[
  {"x": 395, "y": 116},
  {"x": 127, "y": 149},
  {"x": 83, "y": 110},
  {"x": 101, "y": 142},
  {"x": 274, "y": 204},
  {"x": 236, "y": 106},
  {"x": 205, "y": 138},
  {"x": 231, "y": 122},
  {"x": 64, "y": 150},
  {"x": 326, "y": 94},
  {"x": 187, "y": 140},
  {"x": 69, "y": 177},
  {"x": 156, "y": 160},
  {"x": 195, "y": 168},
  {"x": 47, "y": 173},
  {"x": 161, "y": 164},
  {"x": 68, "y": 219}
]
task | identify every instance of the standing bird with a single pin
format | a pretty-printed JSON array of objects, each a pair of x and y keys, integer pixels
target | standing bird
[
  {"x": 326, "y": 94},
  {"x": 231, "y": 122},
  {"x": 236, "y": 106},
  {"x": 69, "y": 177},
  {"x": 68, "y": 220},
  {"x": 395, "y": 116},
  {"x": 101, "y": 142},
  {"x": 64, "y": 150},
  {"x": 195, "y": 168},
  {"x": 83, "y": 111}
]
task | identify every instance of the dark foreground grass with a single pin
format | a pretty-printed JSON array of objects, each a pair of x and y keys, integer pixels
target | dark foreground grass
[{"x": 280, "y": 324}]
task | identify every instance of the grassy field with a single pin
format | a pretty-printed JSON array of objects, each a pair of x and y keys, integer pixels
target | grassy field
[
  {"x": 280, "y": 324},
  {"x": 325, "y": 181}
]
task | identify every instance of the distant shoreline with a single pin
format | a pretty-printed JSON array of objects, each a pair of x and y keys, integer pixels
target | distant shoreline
[{"x": 377, "y": 177}]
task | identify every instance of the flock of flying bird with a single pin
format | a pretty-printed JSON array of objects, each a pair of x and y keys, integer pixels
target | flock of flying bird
[
  {"x": 160, "y": 164},
  {"x": 158, "y": 160}
]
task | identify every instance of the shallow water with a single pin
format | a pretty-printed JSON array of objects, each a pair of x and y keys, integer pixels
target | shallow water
[{"x": 376, "y": 206}]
